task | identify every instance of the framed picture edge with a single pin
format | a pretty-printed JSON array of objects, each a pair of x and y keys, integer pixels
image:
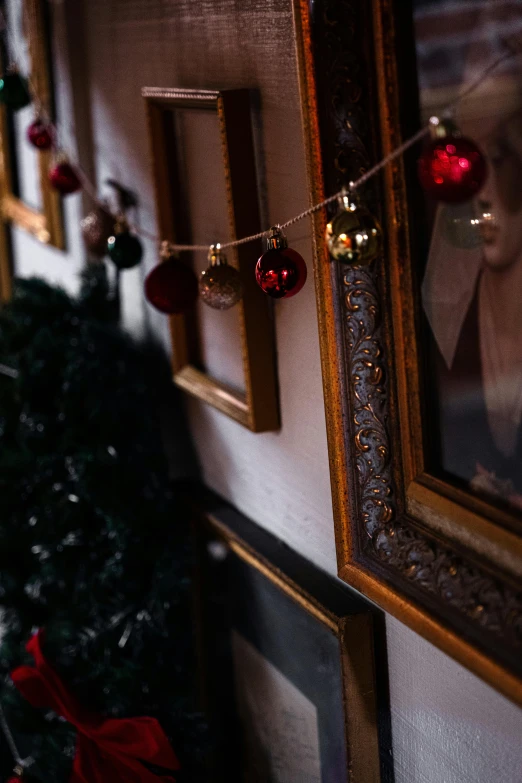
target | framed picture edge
[
  {"x": 257, "y": 408},
  {"x": 6, "y": 272},
  {"x": 457, "y": 630},
  {"x": 353, "y": 629},
  {"x": 46, "y": 225}
]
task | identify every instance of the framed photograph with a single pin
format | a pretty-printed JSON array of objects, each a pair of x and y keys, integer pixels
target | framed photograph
[
  {"x": 290, "y": 681},
  {"x": 472, "y": 282},
  {"x": 27, "y": 199},
  {"x": 421, "y": 350},
  {"x": 205, "y": 177}
]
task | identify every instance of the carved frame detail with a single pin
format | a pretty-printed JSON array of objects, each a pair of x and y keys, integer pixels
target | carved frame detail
[{"x": 442, "y": 562}]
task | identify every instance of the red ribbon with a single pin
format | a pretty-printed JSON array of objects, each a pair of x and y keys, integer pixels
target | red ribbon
[{"x": 107, "y": 750}]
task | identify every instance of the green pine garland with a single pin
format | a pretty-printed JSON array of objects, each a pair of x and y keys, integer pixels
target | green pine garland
[{"x": 92, "y": 541}]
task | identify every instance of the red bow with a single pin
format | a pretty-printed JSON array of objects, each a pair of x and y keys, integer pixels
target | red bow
[{"x": 107, "y": 750}]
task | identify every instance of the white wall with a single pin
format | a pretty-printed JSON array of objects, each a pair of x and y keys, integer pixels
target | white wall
[{"x": 448, "y": 726}]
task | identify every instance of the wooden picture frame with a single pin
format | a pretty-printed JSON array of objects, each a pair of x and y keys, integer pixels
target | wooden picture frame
[
  {"x": 45, "y": 224},
  {"x": 257, "y": 408},
  {"x": 442, "y": 561},
  {"x": 250, "y": 583},
  {"x": 6, "y": 272}
]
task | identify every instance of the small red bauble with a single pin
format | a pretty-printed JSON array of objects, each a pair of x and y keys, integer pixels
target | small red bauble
[
  {"x": 40, "y": 134},
  {"x": 64, "y": 178},
  {"x": 452, "y": 169},
  {"x": 280, "y": 272},
  {"x": 171, "y": 287}
]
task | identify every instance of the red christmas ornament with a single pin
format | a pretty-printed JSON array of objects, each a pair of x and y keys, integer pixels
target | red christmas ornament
[
  {"x": 64, "y": 178},
  {"x": 40, "y": 134},
  {"x": 171, "y": 287},
  {"x": 280, "y": 272},
  {"x": 452, "y": 168}
]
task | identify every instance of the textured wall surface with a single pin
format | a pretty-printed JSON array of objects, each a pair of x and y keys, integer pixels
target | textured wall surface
[
  {"x": 278, "y": 477},
  {"x": 448, "y": 726}
]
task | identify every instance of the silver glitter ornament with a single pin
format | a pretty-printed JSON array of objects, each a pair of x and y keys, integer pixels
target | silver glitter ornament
[{"x": 220, "y": 285}]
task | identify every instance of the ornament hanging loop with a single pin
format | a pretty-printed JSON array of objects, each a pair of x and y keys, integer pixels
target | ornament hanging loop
[
  {"x": 442, "y": 127},
  {"x": 121, "y": 225},
  {"x": 276, "y": 240},
  {"x": 166, "y": 250},
  {"x": 348, "y": 199},
  {"x": 216, "y": 257}
]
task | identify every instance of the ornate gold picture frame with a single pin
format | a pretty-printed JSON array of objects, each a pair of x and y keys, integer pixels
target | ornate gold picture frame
[
  {"x": 257, "y": 407},
  {"x": 444, "y": 561},
  {"x": 45, "y": 224},
  {"x": 283, "y": 626}
]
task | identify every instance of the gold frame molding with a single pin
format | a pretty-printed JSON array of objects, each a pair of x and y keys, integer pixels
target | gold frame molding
[
  {"x": 443, "y": 562},
  {"x": 46, "y": 225},
  {"x": 353, "y": 628},
  {"x": 257, "y": 408},
  {"x": 6, "y": 272}
]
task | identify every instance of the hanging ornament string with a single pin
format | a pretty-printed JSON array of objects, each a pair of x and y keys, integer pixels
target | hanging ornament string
[
  {"x": 302, "y": 215},
  {"x": 90, "y": 189},
  {"x": 354, "y": 185}
]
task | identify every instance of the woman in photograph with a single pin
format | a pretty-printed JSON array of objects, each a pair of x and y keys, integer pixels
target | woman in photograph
[{"x": 473, "y": 299}]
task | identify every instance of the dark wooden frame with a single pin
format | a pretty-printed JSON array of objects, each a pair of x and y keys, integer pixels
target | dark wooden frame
[
  {"x": 258, "y": 407},
  {"x": 46, "y": 225},
  {"x": 442, "y": 561},
  {"x": 358, "y": 627}
]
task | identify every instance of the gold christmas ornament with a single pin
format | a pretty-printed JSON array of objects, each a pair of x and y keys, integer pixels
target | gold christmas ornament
[
  {"x": 354, "y": 236},
  {"x": 220, "y": 284}
]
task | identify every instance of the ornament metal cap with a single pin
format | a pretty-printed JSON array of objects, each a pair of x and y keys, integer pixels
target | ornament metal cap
[
  {"x": 216, "y": 257},
  {"x": 60, "y": 156},
  {"x": 166, "y": 250},
  {"x": 441, "y": 127},
  {"x": 121, "y": 225},
  {"x": 348, "y": 200},
  {"x": 276, "y": 240}
]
